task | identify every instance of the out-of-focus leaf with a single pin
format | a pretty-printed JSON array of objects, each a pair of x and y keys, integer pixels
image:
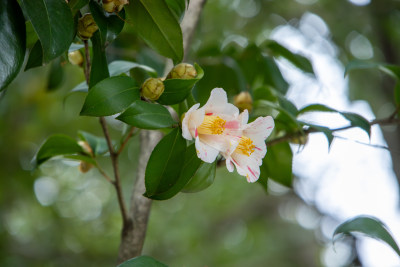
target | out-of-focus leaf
[
  {"x": 12, "y": 41},
  {"x": 177, "y": 7},
  {"x": 397, "y": 95},
  {"x": 165, "y": 163},
  {"x": 142, "y": 261},
  {"x": 189, "y": 169},
  {"x": 264, "y": 93},
  {"x": 56, "y": 75},
  {"x": 369, "y": 226},
  {"x": 156, "y": 24},
  {"x": 54, "y": 24},
  {"x": 31, "y": 36},
  {"x": 146, "y": 115},
  {"x": 389, "y": 69},
  {"x": 97, "y": 144},
  {"x": 287, "y": 105},
  {"x": 358, "y": 121},
  {"x": 77, "y": 4},
  {"x": 73, "y": 47},
  {"x": 297, "y": 60},
  {"x": 176, "y": 90},
  {"x": 273, "y": 76},
  {"x": 99, "y": 69},
  {"x": 57, "y": 145},
  {"x": 110, "y": 96},
  {"x": 35, "y": 58},
  {"x": 277, "y": 164},
  {"x": 81, "y": 158},
  {"x": 203, "y": 178},
  {"x": 316, "y": 107},
  {"x": 325, "y": 130}
]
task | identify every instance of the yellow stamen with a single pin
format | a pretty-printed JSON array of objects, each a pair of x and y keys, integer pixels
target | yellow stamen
[
  {"x": 212, "y": 125},
  {"x": 245, "y": 146}
]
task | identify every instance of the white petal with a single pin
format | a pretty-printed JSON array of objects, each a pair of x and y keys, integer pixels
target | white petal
[
  {"x": 205, "y": 152},
  {"x": 246, "y": 166},
  {"x": 218, "y": 104},
  {"x": 185, "y": 122},
  {"x": 259, "y": 152},
  {"x": 259, "y": 129},
  {"x": 224, "y": 144},
  {"x": 229, "y": 165},
  {"x": 244, "y": 117}
]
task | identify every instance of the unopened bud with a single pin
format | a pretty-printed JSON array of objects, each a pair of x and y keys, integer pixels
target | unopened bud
[
  {"x": 300, "y": 140},
  {"x": 182, "y": 71},
  {"x": 243, "y": 101},
  {"x": 75, "y": 57},
  {"x": 86, "y": 27},
  {"x": 152, "y": 88},
  {"x": 114, "y": 5},
  {"x": 84, "y": 167},
  {"x": 86, "y": 147}
]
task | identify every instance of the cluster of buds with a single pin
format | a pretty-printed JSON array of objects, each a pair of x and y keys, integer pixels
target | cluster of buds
[
  {"x": 182, "y": 71},
  {"x": 112, "y": 6},
  {"x": 86, "y": 27},
  {"x": 243, "y": 101}
]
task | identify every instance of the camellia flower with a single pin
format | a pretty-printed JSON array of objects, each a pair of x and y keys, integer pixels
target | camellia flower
[{"x": 218, "y": 128}]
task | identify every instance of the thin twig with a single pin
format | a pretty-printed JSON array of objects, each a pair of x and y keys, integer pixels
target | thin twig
[
  {"x": 102, "y": 172},
  {"x": 126, "y": 140}
]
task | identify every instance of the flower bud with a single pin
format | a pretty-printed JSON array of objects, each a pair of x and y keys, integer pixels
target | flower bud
[
  {"x": 116, "y": 6},
  {"x": 75, "y": 57},
  {"x": 243, "y": 101},
  {"x": 84, "y": 167},
  {"x": 182, "y": 71},
  {"x": 86, "y": 147},
  {"x": 86, "y": 27},
  {"x": 152, "y": 88}
]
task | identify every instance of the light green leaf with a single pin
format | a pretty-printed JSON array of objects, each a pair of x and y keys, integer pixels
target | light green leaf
[
  {"x": 12, "y": 41},
  {"x": 146, "y": 115},
  {"x": 110, "y": 96},
  {"x": 389, "y": 69},
  {"x": 142, "y": 261},
  {"x": 53, "y": 23},
  {"x": 97, "y": 144},
  {"x": 203, "y": 178},
  {"x": 277, "y": 164},
  {"x": 165, "y": 163},
  {"x": 369, "y": 226},
  {"x": 176, "y": 90},
  {"x": 156, "y": 24}
]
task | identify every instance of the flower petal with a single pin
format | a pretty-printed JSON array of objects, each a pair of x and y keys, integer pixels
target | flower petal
[
  {"x": 205, "y": 152},
  {"x": 218, "y": 104},
  {"x": 244, "y": 117},
  {"x": 229, "y": 165},
  {"x": 259, "y": 129},
  {"x": 225, "y": 144},
  {"x": 193, "y": 118},
  {"x": 246, "y": 166}
]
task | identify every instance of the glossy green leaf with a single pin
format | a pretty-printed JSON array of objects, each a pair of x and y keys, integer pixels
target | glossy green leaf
[
  {"x": 369, "y": 226},
  {"x": 316, "y": 107},
  {"x": 297, "y": 60},
  {"x": 203, "y": 178},
  {"x": 35, "y": 58},
  {"x": 57, "y": 145},
  {"x": 12, "y": 41},
  {"x": 56, "y": 75},
  {"x": 277, "y": 164},
  {"x": 157, "y": 26},
  {"x": 189, "y": 169},
  {"x": 165, "y": 163},
  {"x": 177, "y": 7},
  {"x": 99, "y": 69},
  {"x": 142, "y": 261},
  {"x": 97, "y": 144},
  {"x": 177, "y": 90},
  {"x": 146, "y": 115},
  {"x": 110, "y": 25},
  {"x": 54, "y": 24},
  {"x": 389, "y": 69},
  {"x": 110, "y": 96}
]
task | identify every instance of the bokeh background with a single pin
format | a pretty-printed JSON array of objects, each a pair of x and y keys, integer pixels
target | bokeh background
[{"x": 58, "y": 216}]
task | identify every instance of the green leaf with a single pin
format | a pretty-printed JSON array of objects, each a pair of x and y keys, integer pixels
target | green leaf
[
  {"x": 157, "y": 26},
  {"x": 12, "y": 41},
  {"x": 358, "y": 121},
  {"x": 97, "y": 144},
  {"x": 325, "y": 130},
  {"x": 56, "y": 75},
  {"x": 176, "y": 90},
  {"x": 203, "y": 178},
  {"x": 177, "y": 7},
  {"x": 57, "y": 145},
  {"x": 297, "y": 60},
  {"x": 277, "y": 164},
  {"x": 287, "y": 105},
  {"x": 369, "y": 226},
  {"x": 99, "y": 69},
  {"x": 77, "y": 4},
  {"x": 165, "y": 163},
  {"x": 110, "y": 25},
  {"x": 273, "y": 76},
  {"x": 389, "y": 69},
  {"x": 81, "y": 158},
  {"x": 53, "y": 23},
  {"x": 146, "y": 115},
  {"x": 190, "y": 168},
  {"x": 316, "y": 107},
  {"x": 35, "y": 58},
  {"x": 110, "y": 96},
  {"x": 142, "y": 261}
]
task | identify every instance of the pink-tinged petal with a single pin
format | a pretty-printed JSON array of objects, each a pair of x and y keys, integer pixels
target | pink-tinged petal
[
  {"x": 205, "y": 152},
  {"x": 229, "y": 165},
  {"x": 218, "y": 104},
  {"x": 244, "y": 117},
  {"x": 260, "y": 150},
  {"x": 186, "y": 121},
  {"x": 224, "y": 144},
  {"x": 247, "y": 167},
  {"x": 259, "y": 129}
]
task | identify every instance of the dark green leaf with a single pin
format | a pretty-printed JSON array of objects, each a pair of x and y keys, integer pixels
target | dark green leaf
[
  {"x": 97, "y": 144},
  {"x": 87, "y": 159},
  {"x": 35, "y": 58},
  {"x": 57, "y": 145},
  {"x": 155, "y": 23},
  {"x": 176, "y": 90},
  {"x": 358, "y": 121},
  {"x": 325, "y": 130},
  {"x": 277, "y": 164},
  {"x": 146, "y": 115},
  {"x": 12, "y": 41},
  {"x": 369, "y": 226},
  {"x": 299, "y": 61},
  {"x": 54, "y": 24},
  {"x": 190, "y": 168},
  {"x": 165, "y": 163},
  {"x": 77, "y": 4},
  {"x": 287, "y": 105},
  {"x": 142, "y": 261},
  {"x": 99, "y": 69},
  {"x": 316, "y": 107},
  {"x": 31, "y": 36},
  {"x": 264, "y": 93},
  {"x": 177, "y": 7},
  {"x": 110, "y": 25},
  {"x": 203, "y": 178},
  {"x": 110, "y": 96},
  {"x": 56, "y": 75},
  {"x": 273, "y": 76}
]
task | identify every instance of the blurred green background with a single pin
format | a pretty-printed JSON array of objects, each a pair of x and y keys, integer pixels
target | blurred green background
[{"x": 58, "y": 216}]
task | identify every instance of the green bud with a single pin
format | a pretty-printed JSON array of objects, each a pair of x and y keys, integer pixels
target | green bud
[
  {"x": 86, "y": 27},
  {"x": 112, "y": 6},
  {"x": 75, "y": 57},
  {"x": 182, "y": 71},
  {"x": 243, "y": 101},
  {"x": 152, "y": 88}
]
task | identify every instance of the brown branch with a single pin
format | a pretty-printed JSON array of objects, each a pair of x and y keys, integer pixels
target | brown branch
[{"x": 126, "y": 140}]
